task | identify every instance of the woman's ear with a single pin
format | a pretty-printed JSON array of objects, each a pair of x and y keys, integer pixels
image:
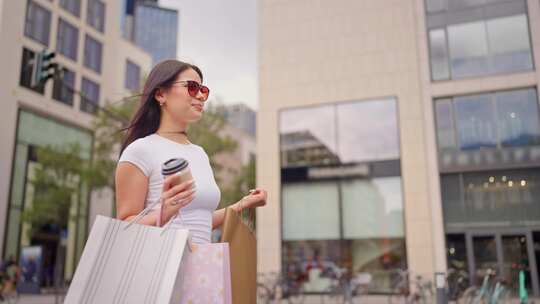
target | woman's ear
[{"x": 159, "y": 95}]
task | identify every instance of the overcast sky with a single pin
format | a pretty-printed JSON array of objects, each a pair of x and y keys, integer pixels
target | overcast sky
[{"x": 220, "y": 37}]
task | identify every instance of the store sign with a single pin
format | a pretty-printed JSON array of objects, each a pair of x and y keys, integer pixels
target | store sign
[{"x": 338, "y": 172}]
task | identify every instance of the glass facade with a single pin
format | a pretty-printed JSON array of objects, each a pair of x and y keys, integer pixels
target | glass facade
[
  {"x": 353, "y": 192},
  {"x": 37, "y": 131},
  {"x": 37, "y": 23},
  {"x": 489, "y": 155},
  {"x": 156, "y": 30},
  {"x": 492, "y": 37},
  {"x": 500, "y": 128}
]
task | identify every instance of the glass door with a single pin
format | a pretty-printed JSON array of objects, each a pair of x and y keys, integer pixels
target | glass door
[
  {"x": 486, "y": 257},
  {"x": 515, "y": 259},
  {"x": 505, "y": 253}
]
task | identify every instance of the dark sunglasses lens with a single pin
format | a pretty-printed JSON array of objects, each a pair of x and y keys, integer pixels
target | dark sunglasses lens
[{"x": 193, "y": 88}]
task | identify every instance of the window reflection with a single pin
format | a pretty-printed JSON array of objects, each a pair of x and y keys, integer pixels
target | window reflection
[
  {"x": 372, "y": 208},
  {"x": 315, "y": 264},
  {"x": 322, "y": 220},
  {"x": 481, "y": 47},
  {"x": 503, "y": 119},
  {"x": 446, "y": 135},
  {"x": 308, "y": 136},
  {"x": 518, "y": 118},
  {"x": 509, "y": 44},
  {"x": 475, "y": 122},
  {"x": 439, "y": 54},
  {"x": 468, "y": 49},
  {"x": 367, "y": 131}
]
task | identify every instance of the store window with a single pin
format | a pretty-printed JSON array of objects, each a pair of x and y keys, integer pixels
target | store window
[
  {"x": 479, "y": 131},
  {"x": 353, "y": 193}
]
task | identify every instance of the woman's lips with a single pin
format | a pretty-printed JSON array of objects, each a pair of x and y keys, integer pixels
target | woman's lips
[{"x": 198, "y": 107}]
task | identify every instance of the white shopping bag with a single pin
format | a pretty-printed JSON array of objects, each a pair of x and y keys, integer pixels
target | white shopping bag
[{"x": 129, "y": 263}]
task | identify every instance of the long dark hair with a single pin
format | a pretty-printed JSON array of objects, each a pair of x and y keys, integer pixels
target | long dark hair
[{"x": 147, "y": 118}]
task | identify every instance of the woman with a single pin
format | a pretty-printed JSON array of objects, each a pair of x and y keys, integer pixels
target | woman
[{"x": 173, "y": 98}]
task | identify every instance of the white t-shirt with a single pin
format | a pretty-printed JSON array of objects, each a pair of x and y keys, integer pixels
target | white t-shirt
[{"x": 150, "y": 152}]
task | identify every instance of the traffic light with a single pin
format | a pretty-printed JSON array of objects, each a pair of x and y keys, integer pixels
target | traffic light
[{"x": 44, "y": 68}]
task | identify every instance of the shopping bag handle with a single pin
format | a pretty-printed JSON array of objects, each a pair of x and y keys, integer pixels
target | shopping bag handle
[
  {"x": 141, "y": 214},
  {"x": 167, "y": 226}
]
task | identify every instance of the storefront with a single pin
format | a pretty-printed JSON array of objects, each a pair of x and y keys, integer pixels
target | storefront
[
  {"x": 489, "y": 155},
  {"x": 58, "y": 242}
]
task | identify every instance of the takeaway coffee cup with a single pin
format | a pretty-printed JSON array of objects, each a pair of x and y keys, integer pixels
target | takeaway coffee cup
[{"x": 178, "y": 167}]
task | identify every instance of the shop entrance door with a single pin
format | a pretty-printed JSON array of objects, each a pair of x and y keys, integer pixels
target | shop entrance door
[{"x": 506, "y": 253}]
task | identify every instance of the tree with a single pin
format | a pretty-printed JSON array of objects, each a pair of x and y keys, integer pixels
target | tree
[
  {"x": 57, "y": 182},
  {"x": 242, "y": 184}
]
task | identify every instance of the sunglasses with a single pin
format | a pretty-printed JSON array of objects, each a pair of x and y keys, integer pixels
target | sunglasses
[{"x": 194, "y": 88}]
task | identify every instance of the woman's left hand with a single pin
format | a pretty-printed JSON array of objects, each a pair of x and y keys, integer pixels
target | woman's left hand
[{"x": 256, "y": 198}]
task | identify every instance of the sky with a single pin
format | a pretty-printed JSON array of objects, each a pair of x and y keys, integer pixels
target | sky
[{"x": 220, "y": 37}]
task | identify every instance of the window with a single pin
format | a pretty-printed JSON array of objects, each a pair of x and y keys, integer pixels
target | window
[
  {"x": 490, "y": 37},
  {"x": 64, "y": 86},
  {"x": 509, "y": 44},
  {"x": 67, "y": 40},
  {"x": 37, "y": 23},
  {"x": 72, "y": 6},
  {"x": 375, "y": 139},
  {"x": 477, "y": 198},
  {"x": 468, "y": 48},
  {"x": 322, "y": 222},
  {"x": 90, "y": 101},
  {"x": 133, "y": 76},
  {"x": 27, "y": 65},
  {"x": 92, "y": 54},
  {"x": 353, "y": 192},
  {"x": 96, "y": 14},
  {"x": 439, "y": 54},
  {"x": 497, "y": 120},
  {"x": 487, "y": 131}
]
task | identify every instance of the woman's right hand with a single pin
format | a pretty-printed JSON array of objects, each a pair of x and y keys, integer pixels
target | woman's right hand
[{"x": 175, "y": 196}]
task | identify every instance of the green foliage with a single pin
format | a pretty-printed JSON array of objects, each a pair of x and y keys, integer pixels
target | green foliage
[
  {"x": 205, "y": 133},
  {"x": 241, "y": 185},
  {"x": 57, "y": 182},
  {"x": 108, "y": 125}
]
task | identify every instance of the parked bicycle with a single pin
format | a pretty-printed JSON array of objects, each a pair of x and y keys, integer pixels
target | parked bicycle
[
  {"x": 273, "y": 288},
  {"x": 492, "y": 291},
  {"x": 457, "y": 282},
  {"x": 347, "y": 288},
  {"x": 422, "y": 289}
]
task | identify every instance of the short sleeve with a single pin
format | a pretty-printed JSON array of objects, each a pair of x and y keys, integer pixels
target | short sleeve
[{"x": 136, "y": 153}]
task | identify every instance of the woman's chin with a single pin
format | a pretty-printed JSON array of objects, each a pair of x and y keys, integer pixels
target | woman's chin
[{"x": 196, "y": 117}]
